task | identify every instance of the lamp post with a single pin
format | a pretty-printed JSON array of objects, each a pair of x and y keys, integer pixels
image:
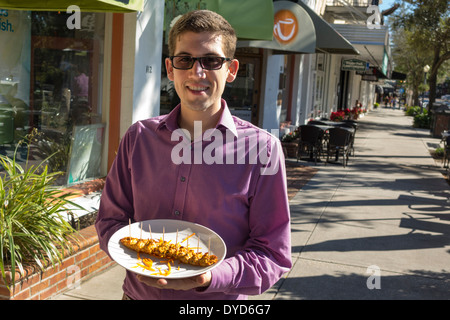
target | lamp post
[{"x": 425, "y": 70}]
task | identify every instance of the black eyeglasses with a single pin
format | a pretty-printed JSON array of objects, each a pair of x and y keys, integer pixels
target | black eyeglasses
[{"x": 207, "y": 63}]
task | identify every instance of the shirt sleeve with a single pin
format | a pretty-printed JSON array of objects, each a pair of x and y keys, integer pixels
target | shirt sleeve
[
  {"x": 116, "y": 203},
  {"x": 267, "y": 254}
]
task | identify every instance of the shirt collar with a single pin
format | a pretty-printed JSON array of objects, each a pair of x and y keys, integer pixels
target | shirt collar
[{"x": 226, "y": 120}]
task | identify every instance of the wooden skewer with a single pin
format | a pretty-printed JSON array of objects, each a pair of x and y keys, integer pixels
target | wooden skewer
[
  {"x": 163, "y": 234},
  {"x": 209, "y": 245},
  {"x": 150, "y": 230},
  {"x": 140, "y": 237},
  {"x": 198, "y": 244},
  {"x": 129, "y": 226},
  {"x": 176, "y": 243}
]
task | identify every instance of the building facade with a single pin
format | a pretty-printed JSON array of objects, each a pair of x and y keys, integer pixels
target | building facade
[{"x": 81, "y": 78}]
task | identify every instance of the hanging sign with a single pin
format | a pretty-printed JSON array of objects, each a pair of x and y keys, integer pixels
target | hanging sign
[{"x": 353, "y": 65}]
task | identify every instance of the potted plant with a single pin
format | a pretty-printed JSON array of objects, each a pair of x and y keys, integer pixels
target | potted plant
[
  {"x": 32, "y": 228},
  {"x": 289, "y": 141},
  {"x": 337, "y": 116}
]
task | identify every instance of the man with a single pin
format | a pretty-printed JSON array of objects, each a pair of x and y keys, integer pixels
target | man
[{"x": 232, "y": 182}]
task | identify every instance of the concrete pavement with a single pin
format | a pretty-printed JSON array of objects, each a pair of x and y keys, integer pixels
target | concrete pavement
[{"x": 377, "y": 229}]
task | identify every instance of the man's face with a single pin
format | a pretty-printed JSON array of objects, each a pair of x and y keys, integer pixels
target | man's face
[{"x": 201, "y": 89}]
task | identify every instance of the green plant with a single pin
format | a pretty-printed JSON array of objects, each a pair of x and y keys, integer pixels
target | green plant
[
  {"x": 412, "y": 111},
  {"x": 291, "y": 136},
  {"x": 422, "y": 120},
  {"x": 439, "y": 152},
  {"x": 32, "y": 227}
]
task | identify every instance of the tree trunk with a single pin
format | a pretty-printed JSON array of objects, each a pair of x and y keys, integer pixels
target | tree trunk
[
  {"x": 416, "y": 97},
  {"x": 432, "y": 79}
]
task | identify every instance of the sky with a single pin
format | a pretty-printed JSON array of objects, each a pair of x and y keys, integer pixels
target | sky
[{"x": 388, "y": 3}]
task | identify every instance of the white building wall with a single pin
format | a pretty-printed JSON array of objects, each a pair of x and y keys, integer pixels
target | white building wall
[
  {"x": 128, "y": 62},
  {"x": 308, "y": 83},
  {"x": 273, "y": 66},
  {"x": 147, "y": 65}
]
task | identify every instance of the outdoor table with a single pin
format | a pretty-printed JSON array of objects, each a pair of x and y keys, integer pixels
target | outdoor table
[{"x": 333, "y": 124}]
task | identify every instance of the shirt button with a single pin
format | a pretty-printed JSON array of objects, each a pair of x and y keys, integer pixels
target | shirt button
[
  {"x": 177, "y": 213},
  {"x": 183, "y": 179}
]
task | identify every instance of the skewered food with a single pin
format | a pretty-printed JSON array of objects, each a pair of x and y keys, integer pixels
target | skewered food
[{"x": 165, "y": 249}]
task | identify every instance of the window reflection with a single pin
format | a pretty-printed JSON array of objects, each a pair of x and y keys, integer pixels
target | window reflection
[{"x": 50, "y": 81}]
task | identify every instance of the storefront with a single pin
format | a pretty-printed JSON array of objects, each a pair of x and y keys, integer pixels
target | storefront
[
  {"x": 299, "y": 80},
  {"x": 51, "y": 90},
  {"x": 360, "y": 75},
  {"x": 91, "y": 74},
  {"x": 79, "y": 74}
]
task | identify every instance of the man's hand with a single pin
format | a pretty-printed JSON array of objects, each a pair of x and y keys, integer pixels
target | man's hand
[{"x": 202, "y": 280}]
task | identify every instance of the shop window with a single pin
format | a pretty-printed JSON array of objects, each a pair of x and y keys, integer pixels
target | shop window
[{"x": 51, "y": 84}]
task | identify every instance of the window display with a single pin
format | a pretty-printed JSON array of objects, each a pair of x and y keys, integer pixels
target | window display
[{"x": 50, "y": 81}]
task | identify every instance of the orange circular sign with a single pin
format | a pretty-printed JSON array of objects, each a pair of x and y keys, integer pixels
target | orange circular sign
[{"x": 285, "y": 27}]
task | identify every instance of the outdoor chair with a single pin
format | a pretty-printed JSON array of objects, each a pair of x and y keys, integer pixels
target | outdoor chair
[
  {"x": 446, "y": 151},
  {"x": 339, "y": 143},
  {"x": 350, "y": 124},
  {"x": 310, "y": 142}
]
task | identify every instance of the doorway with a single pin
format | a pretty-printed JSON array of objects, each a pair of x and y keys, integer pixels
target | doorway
[{"x": 242, "y": 95}]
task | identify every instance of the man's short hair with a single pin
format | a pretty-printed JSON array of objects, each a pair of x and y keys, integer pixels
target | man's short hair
[{"x": 204, "y": 21}]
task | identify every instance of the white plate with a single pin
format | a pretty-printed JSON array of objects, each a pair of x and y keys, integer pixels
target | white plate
[{"x": 203, "y": 237}]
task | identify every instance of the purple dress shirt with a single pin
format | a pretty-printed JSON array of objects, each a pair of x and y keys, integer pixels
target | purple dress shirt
[{"x": 232, "y": 180}]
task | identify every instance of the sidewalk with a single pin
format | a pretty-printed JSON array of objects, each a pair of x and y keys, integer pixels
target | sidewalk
[{"x": 377, "y": 229}]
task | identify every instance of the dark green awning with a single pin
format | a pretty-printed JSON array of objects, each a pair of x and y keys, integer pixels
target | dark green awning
[
  {"x": 84, "y": 5},
  {"x": 251, "y": 19},
  {"x": 303, "y": 42},
  {"x": 327, "y": 38},
  {"x": 315, "y": 34}
]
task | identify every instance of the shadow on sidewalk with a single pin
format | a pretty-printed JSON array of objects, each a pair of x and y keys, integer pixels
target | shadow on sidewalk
[{"x": 423, "y": 285}]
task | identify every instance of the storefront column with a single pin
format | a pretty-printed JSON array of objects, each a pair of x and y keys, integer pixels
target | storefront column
[
  {"x": 271, "y": 115},
  {"x": 115, "y": 86},
  {"x": 147, "y": 66}
]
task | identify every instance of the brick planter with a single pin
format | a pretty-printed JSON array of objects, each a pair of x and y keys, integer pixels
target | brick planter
[{"x": 86, "y": 260}]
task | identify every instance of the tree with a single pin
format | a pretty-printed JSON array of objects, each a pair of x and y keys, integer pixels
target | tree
[
  {"x": 428, "y": 21},
  {"x": 410, "y": 56}
]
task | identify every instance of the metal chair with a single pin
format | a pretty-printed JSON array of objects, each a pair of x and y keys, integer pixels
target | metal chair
[
  {"x": 310, "y": 142},
  {"x": 446, "y": 151},
  {"x": 354, "y": 126},
  {"x": 339, "y": 143}
]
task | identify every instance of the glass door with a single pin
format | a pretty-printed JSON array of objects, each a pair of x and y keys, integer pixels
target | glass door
[{"x": 242, "y": 95}]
